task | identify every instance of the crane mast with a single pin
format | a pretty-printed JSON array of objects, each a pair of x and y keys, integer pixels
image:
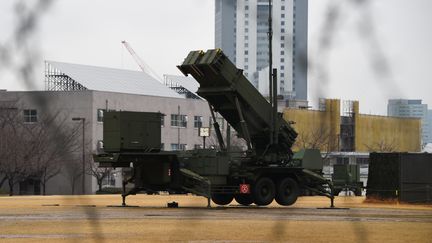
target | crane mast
[{"x": 143, "y": 66}]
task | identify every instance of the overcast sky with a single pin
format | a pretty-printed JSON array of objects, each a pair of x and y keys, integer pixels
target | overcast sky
[{"x": 364, "y": 37}]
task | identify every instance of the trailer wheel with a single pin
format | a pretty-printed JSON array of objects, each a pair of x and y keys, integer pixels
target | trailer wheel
[
  {"x": 244, "y": 199},
  {"x": 358, "y": 192},
  {"x": 264, "y": 191},
  {"x": 222, "y": 199},
  {"x": 287, "y": 192}
]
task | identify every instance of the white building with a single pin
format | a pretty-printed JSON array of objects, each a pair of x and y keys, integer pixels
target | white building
[
  {"x": 81, "y": 91},
  {"x": 412, "y": 108},
  {"x": 241, "y": 31}
]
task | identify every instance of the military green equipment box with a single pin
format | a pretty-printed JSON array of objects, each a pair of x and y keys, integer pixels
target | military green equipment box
[
  {"x": 132, "y": 131},
  {"x": 309, "y": 159},
  {"x": 403, "y": 176},
  {"x": 344, "y": 174},
  {"x": 347, "y": 178}
]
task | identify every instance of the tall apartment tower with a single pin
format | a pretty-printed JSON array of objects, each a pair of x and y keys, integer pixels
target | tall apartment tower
[
  {"x": 412, "y": 108},
  {"x": 241, "y": 28}
]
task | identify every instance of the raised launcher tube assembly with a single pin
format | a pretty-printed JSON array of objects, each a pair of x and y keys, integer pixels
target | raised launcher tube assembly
[{"x": 230, "y": 93}]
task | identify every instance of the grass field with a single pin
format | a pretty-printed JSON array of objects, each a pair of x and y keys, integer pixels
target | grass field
[{"x": 88, "y": 219}]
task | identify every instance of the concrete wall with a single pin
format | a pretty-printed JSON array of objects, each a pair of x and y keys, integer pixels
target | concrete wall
[{"x": 378, "y": 133}]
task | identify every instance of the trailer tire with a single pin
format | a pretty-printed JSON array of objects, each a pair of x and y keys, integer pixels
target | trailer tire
[
  {"x": 264, "y": 191},
  {"x": 222, "y": 199},
  {"x": 244, "y": 199},
  {"x": 287, "y": 192},
  {"x": 358, "y": 192}
]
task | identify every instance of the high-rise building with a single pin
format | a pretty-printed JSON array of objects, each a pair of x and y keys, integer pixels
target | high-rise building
[
  {"x": 411, "y": 108},
  {"x": 241, "y": 30},
  {"x": 429, "y": 118}
]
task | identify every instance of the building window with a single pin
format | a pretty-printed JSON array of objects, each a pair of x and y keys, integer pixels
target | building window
[
  {"x": 282, "y": 53},
  {"x": 246, "y": 67},
  {"x": 162, "y": 120},
  {"x": 246, "y": 30},
  {"x": 282, "y": 45},
  {"x": 246, "y": 52},
  {"x": 246, "y": 7},
  {"x": 100, "y": 115},
  {"x": 282, "y": 37},
  {"x": 282, "y": 15},
  {"x": 176, "y": 146},
  {"x": 162, "y": 147},
  {"x": 246, "y": 15},
  {"x": 282, "y": 59},
  {"x": 109, "y": 180},
  {"x": 198, "y": 121},
  {"x": 198, "y": 146},
  {"x": 30, "y": 116},
  {"x": 178, "y": 120}
]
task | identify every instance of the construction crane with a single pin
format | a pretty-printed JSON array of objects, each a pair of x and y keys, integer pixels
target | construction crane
[{"x": 144, "y": 67}]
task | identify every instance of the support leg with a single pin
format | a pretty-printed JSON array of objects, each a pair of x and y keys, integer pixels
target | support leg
[
  {"x": 124, "y": 193},
  {"x": 208, "y": 203}
]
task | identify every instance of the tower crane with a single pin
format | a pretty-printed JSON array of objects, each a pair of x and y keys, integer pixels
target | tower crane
[{"x": 143, "y": 66}]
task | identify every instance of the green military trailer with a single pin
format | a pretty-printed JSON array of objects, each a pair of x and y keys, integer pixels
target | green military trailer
[
  {"x": 347, "y": 178},
  {"x": 264, "y": 172}
]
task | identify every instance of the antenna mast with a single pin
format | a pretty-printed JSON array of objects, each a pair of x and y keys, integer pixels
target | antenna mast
[{"x": 270, "y": 38}]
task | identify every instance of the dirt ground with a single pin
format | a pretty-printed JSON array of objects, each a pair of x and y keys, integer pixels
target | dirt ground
[{"x": 94, "y": 219}]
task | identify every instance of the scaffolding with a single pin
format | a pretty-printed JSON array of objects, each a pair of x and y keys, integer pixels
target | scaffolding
[
  {"x": 347, "y": 130},
  {"x": 172, "y": 84},
  {"x": 56, "y": 80}
]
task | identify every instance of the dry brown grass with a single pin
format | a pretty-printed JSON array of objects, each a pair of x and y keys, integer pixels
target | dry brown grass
[{"x": 204, "y": 229}]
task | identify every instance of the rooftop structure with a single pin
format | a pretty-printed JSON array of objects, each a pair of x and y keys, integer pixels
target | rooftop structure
[{"x": 60, "y": 76}]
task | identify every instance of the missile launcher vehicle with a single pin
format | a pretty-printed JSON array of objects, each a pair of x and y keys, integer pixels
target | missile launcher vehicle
[{"x": 267, "y": 170}]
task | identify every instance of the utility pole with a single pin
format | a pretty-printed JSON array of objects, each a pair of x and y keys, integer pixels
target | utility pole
[{"x": 178, "y": 127}]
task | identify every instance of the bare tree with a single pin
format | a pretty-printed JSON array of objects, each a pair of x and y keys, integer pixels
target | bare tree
[
  {"x": 317, "y": 138},
  {"x": 382, "y": 146},
  {"x": 33, "y": 150},
  {"x": 73, "y": 172},
  {"x": 15, "y": 147},
  {"x": 53, "y": 144},
  {"x": 99, "y": 173}
]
